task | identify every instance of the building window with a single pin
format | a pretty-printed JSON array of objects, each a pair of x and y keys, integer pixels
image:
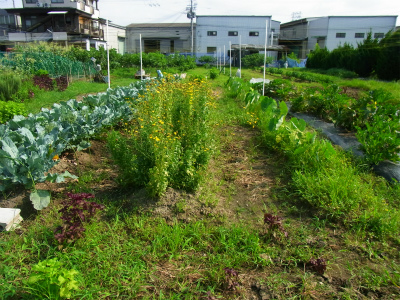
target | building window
[
  {"x": 57, "y": 1},
  {"x": 5, "y": 20},
  {"x": 211, "y": 33},
  {"x": 254, "y": 33},
  {"x": 211, "y": 49},
  {"x": 232, "y": 33},
  {"x": 30, "y": 1},
  {"x": 378, "y": 35},
  {"x": 359, "y": 35},
  {"x": 340, "y": 34}
]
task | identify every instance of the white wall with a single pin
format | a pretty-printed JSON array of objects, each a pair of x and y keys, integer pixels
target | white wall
[
  {"x": 317, "y": 28},
  {"x": 114, "y": 33},
  {"x": 164, "y": 32},
  {"x": 223, "y": 24},
  {"x": 352, "y": 25}
]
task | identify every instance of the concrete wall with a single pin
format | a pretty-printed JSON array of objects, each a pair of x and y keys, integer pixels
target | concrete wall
[
  {"x": 352, "y": 25},
  {"x": 323, "y": 30},
  {"x": 243, "y": 25},
  {"x": 116, "y": 37},
  {"x": 317, "y": 33},
  {"x": 171, "y": 37}
]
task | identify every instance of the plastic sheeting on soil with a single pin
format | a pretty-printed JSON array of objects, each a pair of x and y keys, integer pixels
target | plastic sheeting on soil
[
  {"x": 387, "y": 169},
  {"x": 256, "y": 80}
]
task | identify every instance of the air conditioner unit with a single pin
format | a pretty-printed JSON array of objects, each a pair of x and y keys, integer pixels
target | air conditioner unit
[{"x": 39, "y": 4}]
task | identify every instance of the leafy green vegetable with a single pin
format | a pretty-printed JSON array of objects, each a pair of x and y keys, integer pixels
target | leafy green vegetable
[
  {"x": 40, "y": 199},
  {"x": 28, "y": 145}
]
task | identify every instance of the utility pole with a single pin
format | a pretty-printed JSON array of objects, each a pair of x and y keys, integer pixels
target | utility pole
[{"x": 191, "y": 15}]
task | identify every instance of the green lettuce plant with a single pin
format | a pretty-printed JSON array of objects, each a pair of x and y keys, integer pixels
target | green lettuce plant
[{"x": 50, "y": 280}]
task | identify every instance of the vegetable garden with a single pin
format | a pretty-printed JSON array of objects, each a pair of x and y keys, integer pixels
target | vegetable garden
[{"x": 202, "y": 189}]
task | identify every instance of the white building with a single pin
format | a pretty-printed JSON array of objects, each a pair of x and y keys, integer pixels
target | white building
[
  {"x": 159, "y": 37},
  {"x": 116, "y": 37},
  {"x": 302, "y": 35},
  {"x": 215, "y": 32}
]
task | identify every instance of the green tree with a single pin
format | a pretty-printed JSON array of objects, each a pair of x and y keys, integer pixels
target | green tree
[
  {"x": 388, "y": 63},
  {"x": 366, "y": 55},
  {"x": 318, "y": 58}
]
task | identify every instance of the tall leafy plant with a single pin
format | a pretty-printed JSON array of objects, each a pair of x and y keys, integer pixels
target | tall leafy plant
[{"x": 170, "y": 143}]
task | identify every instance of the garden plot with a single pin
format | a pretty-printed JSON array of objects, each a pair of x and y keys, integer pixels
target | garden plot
[{"x": 255, "y": 227}]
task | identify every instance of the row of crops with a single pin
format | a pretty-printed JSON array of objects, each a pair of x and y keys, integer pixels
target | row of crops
[
  {"x": 374, "y": 116},
  {"x": 321, "y": 175},
  {"x": 55, "y": 65},
  {"x": 30, "y": 146}
]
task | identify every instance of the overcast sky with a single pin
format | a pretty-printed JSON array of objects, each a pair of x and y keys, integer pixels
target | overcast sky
[{"x": 125, "y": 12}]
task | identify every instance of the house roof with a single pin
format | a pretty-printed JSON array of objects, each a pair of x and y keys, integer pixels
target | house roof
[
  {"x": 158, "y": 25},
  {"x": 305, "y": 20},
  {"x": 269, "y": 16},
  {"x": 45, "y": 10}
]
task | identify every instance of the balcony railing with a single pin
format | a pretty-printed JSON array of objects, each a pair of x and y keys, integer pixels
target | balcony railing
[{"x": 80, "y": 29}]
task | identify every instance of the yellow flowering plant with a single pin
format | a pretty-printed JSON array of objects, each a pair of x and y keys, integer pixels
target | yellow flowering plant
[{"x": 170, "y": 142}]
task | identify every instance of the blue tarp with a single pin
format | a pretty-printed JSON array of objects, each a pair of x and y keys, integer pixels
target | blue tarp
[{"x": 294, "y": 64}]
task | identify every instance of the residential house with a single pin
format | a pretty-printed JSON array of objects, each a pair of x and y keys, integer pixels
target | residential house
[
  {"x": 302, "y": 35},
  {"x": 75, "y": 22},
  {"x": 8, "y": 23}
]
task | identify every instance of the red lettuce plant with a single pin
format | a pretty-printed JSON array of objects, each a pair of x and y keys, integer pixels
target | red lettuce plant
[
  {"x": 232, "y": 280},
  {"x": 274, "y": 223},
  {"x": 318, "y": 265},
  {"x": 44, "y": 82},
  {"x": 75, "y": 212},
  {"x": 62, "y": 83}
]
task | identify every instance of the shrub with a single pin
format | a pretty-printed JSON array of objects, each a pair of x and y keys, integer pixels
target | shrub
[
  {"x": 196, "y": 78},
  {"x": 9, "y": 86},
  {"x": 214, "y": 73},
  {"x": 255, "y": 60},
  {"x": 182, "y": 62},
  {"x": 388, "y": 64},
  {"x": 41, "y": 72},
  {"x": 370, "y": 57},
  {"x": 206, "y": 59}
]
